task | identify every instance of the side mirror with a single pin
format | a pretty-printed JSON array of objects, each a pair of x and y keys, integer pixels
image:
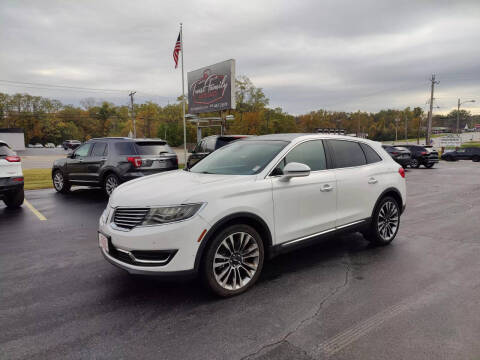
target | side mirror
[
  {"x": 71, "y": 155},
  {"x": 295, "y": 169}
]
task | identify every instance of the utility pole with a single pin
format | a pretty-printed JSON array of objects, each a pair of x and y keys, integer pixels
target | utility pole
[
  {"x": 133, "y": 114},
  {"x": 458, "y": 113},
  {"x": 396, "y": 128},
  {"x": 430, "y": 113},
  {"x": 406, "y": 128}
]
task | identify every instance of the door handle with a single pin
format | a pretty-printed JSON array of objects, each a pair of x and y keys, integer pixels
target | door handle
[
  {"x": 326, "y": 188},
  {"x": 372, "y": 180}
]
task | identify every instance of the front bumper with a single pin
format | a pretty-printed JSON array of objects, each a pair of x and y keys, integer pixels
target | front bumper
[{"x": 179, "y": 240}]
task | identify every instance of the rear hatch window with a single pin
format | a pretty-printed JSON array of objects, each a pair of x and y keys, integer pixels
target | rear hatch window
[{"x": 153, "y": 148}]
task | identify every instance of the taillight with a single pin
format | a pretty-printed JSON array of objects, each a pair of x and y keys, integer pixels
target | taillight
[
  {"x": 175, "y": 160},
  {"x": 401, "y": 171},
  {"x": 424, "y": 153},
  {"x": 18, "y": 179},
  {"x": 394, "y": 153},
  {"x": 13, "y": 158},
  {"x": 136, "y": 161}
]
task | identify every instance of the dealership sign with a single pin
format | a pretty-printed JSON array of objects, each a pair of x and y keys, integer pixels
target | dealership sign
[
  {"x": 450, "y": 141},
  {"x": 212, "y": 88}
]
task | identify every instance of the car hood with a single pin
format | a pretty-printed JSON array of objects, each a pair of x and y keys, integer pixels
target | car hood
[{"x": 173, "y": 188}]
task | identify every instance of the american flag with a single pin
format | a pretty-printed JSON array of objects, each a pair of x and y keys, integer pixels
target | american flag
[{"x": 176, "y": 50}]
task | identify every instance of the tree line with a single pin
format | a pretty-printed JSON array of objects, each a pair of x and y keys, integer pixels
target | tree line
[{"x": 48, "y": 120}]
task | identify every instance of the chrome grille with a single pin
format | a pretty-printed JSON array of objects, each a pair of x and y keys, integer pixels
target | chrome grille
[{"x": 128, "y": 218}]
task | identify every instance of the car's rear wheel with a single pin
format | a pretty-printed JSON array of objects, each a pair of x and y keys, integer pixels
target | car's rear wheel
[
  {"x": 414, "y": 163},
  {"x": 110, "y": 183},
  {"x": 385, "y": 222},
  {"x": 429, "y": 166},
  {"x": 60, "y": 183},
  {"x": 14, "y": 199},
  {"x": 476, "y": 158},
  {"x": 233, "y": 260}
]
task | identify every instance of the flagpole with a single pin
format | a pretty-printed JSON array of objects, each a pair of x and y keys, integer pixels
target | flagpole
[{"x": 183, "y": 100}]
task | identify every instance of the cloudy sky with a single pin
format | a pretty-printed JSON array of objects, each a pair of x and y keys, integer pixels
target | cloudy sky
[{"x": 305, "y": 54}]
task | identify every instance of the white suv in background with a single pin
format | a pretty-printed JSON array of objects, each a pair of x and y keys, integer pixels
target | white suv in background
[
  {"x": 11, "y": 177},
  {"x": 249, "y": 201}
]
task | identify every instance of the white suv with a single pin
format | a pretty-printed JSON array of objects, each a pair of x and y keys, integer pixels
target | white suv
[
  {"x": 249, "y": 201},
  {"x": 11, "y": 177}
]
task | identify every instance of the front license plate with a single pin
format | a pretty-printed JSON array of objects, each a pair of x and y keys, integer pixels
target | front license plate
[{"x": 103, "y": 242}]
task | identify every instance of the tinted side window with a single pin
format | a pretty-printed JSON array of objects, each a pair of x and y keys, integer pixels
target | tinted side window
[
  {"x": 347, "y": 153},
  {"x": 83, "y": 150},
  {"x": 310, "y": 153},
  {"x": 99, "y": 149},
  {"x": 125, "y": 148},
  {"x": 370, "y": 154}
]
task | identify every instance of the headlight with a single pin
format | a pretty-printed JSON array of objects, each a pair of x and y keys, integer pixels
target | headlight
[{"x": 163, "y": 215}]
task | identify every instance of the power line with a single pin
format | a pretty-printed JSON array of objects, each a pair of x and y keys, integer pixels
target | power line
[{"x": 61, "y": 86}]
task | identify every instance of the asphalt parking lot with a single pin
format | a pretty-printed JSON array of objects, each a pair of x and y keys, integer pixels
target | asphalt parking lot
[{"x": 342, "y": 299}]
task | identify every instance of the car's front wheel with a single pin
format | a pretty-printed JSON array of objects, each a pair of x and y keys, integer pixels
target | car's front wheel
[
  {"x": 385, "y": 222},
  {"x": 429, "y": 166},
  {"x": 476, "y": 158},
  {"x": 60, "y": 183},
  {"x": 233, "y": 260},
  {"x": 14, "y": 199}
]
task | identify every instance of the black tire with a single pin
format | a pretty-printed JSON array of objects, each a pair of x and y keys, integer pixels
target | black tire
[
  {"x": 414, "y": 163},
  {"x": 476, "y": 158},
  {"x": 429, "y": 166},
  {"x": 449, "y": 158},
  {"x": 14, "y": 199},
  {"x": 231, "y": 266},
  {"x": 110, "y": 182},
  {"x": 378, "y": 235},
  {"x": 60, "y": 184}
]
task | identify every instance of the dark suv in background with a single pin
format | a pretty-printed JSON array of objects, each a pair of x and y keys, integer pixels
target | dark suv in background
[
  {"x": 208, "y": 145},
  {"x": 422, "y": 155},
  {"x": 107, "y": 162},
  {"x": 471, "y": 153},
  {"x": 71, "y": 144},
  {"x": 401, "y": 155}
]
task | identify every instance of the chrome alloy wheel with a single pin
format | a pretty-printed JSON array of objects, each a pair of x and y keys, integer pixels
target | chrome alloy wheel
[
  {"x": 236, "y": 261},
  {"x": 58, "y": 181},
  {"x": 388, "y": 220},
  {"x": 110, "y": 184}
]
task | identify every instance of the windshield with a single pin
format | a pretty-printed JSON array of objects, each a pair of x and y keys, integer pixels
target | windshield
[{"x": 240, "y": 158}]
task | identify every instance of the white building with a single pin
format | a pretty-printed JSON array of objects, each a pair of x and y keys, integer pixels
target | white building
[{"x": 14, "y": 137}]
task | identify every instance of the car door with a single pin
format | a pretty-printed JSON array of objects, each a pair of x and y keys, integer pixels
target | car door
[
  {"x": 358, "y": 183},
  {"x": 304, "y": 206},
  {"x": 76, "y": 166},
  {"x": 95, "y": 161}
]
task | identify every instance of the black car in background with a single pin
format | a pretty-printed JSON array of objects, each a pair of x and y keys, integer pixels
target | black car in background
[
  {"x": 208, "y": 145},
  {"x": 71, "y": 144},
  {"x": 107, "y": 162},
  {"x": 401, "y": 155},
  {"x": 470, "y": 153},
  {"x": 422, "y": 155}
]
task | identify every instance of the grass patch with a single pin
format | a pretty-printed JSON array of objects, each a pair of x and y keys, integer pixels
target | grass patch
[
  {"x": 35, "y": 179},
  {"x": 471, "y": 144}
]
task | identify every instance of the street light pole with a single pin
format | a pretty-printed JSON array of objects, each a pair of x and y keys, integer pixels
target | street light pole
[{"x": 458, "y": 112}]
